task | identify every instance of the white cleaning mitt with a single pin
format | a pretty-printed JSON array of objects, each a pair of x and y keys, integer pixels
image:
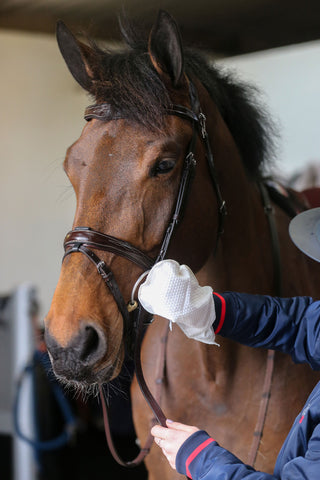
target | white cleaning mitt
[{"x": 172, "y": 291}]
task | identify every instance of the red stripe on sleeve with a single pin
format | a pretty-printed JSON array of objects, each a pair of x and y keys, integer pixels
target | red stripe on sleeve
[
  {"x": 196, "y": 452},
  {"x": 223, "y": 312}
]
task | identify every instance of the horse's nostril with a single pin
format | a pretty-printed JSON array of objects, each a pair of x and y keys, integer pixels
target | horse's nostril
[
  {"x": 90, "y": 344},
  {"x": 81, "y": 354},
  {"x": 81, "y": 359}
]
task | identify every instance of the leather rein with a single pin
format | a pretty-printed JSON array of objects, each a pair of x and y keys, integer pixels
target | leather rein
[{"x": 84, "y": 239}]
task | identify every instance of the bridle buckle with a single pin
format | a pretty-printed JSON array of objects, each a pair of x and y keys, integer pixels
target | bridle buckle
[
  {"x": 101, "y": 267},
  {"x": 132, "y": 305},
  {"x": 202, "y": 122}
]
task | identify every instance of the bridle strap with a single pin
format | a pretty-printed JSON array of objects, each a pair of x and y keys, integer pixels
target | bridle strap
[
  {"x": 109, "y": 280},
  {"x": 198, "y": 119},
  {"x": 185, "y": 182},
  {"x": 143, "y": 451},
  {"x": 275, "y": 244},
  {"x": 263, "y": 409},
  {"x": 153, "y": 403},
  {"x": 277, "y": 273},
  {"x": 101, "y": 241},
  {"x": 222, "y": 210}
]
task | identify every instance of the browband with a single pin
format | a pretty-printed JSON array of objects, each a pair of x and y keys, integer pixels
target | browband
[{"x": 105, "y": 112}]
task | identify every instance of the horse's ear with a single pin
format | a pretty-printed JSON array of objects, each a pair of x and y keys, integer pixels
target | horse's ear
[
  {"x": 165, "y": 49},
  {"x": 78, "y": 56}
]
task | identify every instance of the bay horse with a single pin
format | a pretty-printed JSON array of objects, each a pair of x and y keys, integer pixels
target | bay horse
[{"x": 155, "y": 103}]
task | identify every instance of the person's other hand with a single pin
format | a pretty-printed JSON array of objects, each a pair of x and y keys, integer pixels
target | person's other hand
[{"x": 170, "y": 439}]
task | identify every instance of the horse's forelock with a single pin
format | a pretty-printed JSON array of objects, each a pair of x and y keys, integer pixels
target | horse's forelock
[{"x": 128, "y": 82}]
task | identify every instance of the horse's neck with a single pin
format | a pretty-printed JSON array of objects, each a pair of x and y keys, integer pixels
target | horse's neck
[{"x": 243, "y": 259}]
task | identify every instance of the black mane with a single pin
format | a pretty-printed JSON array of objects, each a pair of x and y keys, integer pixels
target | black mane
[{"x": 129, "y": 83}]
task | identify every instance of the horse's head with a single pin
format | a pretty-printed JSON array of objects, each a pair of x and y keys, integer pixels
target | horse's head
[{"x": 126, "y": 170}]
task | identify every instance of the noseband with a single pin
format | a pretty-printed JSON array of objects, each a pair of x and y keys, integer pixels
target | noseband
[{"x": 84, "y": 239}]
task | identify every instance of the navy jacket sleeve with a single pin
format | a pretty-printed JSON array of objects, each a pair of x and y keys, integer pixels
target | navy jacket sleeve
[
  {"x": 201, "y": 458},
  {"x": 290, "y": 325}
]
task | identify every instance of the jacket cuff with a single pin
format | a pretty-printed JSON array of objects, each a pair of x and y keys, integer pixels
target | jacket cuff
[
  {"x": 189, "y": 451},
  {"x": 220, "y": 308}
]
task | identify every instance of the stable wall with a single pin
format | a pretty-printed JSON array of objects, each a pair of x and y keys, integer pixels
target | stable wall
[{"x": 42, "y": 114}]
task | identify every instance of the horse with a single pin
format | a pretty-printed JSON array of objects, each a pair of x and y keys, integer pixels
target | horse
[{"x": 160, "y": 111}]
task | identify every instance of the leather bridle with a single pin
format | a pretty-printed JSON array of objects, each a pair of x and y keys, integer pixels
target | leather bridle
[{"x": 84, "y": 239}]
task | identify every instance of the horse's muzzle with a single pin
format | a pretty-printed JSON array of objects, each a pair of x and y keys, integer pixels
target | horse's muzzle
[{"x": 79, "y": 360}]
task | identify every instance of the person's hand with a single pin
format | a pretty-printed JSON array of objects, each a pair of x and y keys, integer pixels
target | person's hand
[
  {"x": 170, "y": 439},
  {"x": 173, "y": 292}
]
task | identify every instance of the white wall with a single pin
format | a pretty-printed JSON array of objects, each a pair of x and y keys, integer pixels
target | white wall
[{"x": 42, "y": 114}]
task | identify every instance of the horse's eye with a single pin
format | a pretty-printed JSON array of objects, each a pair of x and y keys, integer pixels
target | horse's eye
[{"x": 163, "y": 166}]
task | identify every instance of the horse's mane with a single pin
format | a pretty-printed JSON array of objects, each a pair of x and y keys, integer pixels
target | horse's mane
[{"x": 128, "y": 81}]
